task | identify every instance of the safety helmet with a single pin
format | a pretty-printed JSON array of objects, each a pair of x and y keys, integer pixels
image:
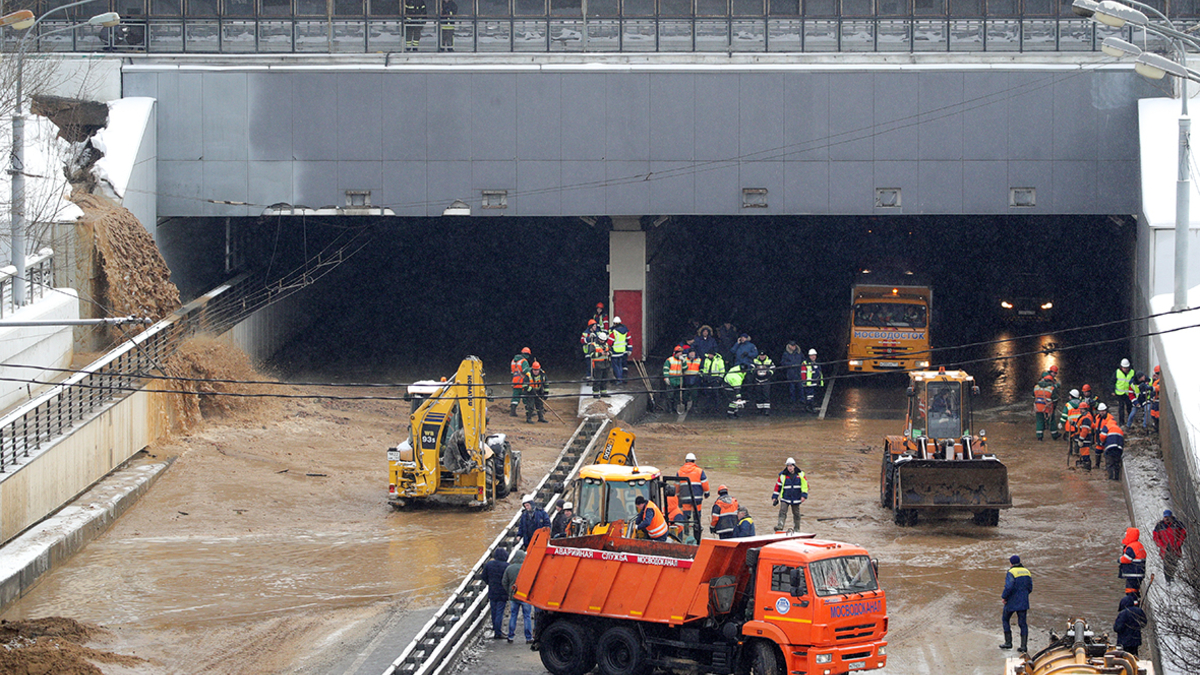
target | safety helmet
[
  {"x": 599, "y": 305},
  {"x": 1087, "y": 388},
  {"x": 1158, "y": 369},
  {"x": 602, "y": 335},
  {"x": 526, "y": 351},
  {"x": 678, "y": 348},
  {"x": 812, "y": 352},
  {"x": 1084, "y": 405},
  {"x": 616, "y": 320},
  {"x": 721, "y": 489},
  {"x": 790, "y": 461},
  {"x": 1101, "y": 407},
  {"x": 527, "y": 499},
  {"x": 1074, "y": 393},
  {"x": 568, "y": 506},
  {"x": 1054, "y": 369},
  {"x": 690, "y": 457},
  {"x": 1124, "y": 363},
  {"x": 591, "y": 322},
  {"x": 537, "y": 366}
]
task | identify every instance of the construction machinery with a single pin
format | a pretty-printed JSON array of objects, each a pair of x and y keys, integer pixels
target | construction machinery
[
  {"x": 938, "y": 465},
  {"x": 448, "y": 454},
  {"x": 1079, "y": 652},
  {"x": 889, "y": 324},
  {"x": 604, "y": 492},
  {"x": 769, "y": 605}
]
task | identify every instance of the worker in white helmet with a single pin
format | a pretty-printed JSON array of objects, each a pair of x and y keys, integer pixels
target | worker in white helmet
[
  {"x": 791, "y": 490},
  {"x": 1123, "y": 389},
  {"x": 699, "y": 482},
  {"x": 813, "y": 381},
  {"x": 618, "y": 338}
]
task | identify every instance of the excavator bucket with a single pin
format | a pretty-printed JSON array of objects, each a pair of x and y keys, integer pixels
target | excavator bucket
[{"x": 970, "y": 483}]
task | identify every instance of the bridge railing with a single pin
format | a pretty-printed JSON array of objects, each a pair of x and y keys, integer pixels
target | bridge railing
[
  {"x": 39, "y": 279},
  {"x": 600, "y": 34}
]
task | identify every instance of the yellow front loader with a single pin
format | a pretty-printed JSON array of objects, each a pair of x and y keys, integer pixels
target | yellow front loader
[{"x": 449, "y": 456}]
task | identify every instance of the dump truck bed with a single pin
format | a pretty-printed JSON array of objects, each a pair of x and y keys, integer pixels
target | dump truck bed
[
  {"x": 611, "y": 576},
  {"x": 936, "y": 483}
]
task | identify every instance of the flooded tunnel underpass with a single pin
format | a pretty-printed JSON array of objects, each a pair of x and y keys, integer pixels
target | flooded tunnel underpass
[{"x": 242, "y": 560}]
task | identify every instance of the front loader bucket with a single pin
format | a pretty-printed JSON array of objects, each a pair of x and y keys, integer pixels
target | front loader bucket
[{"x": 966, "y": 484}]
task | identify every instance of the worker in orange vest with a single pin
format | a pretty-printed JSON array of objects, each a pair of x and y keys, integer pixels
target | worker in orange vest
[
  {"x": 1156, "y": 385},
  {"x": 724, "y": 514},
  {"x": 650, "y": 519},
  {"x": 691, "y": 378},
  {"x": 1045, "y": 396},
  {"x": 520, "y": 370},
  {"x": 1083, "y": 431},
  {"x": 672, "y": 374}
]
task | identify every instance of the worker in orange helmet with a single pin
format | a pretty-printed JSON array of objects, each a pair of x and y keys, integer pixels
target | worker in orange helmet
[
  {"x": 1045, "y": 399},
  {"x": 600, "y": 317},
  {"x": 724, "y": 514},
  {"x": 1155, "y": 386},
  {"x": 585, "y": 341},
  {"x": 520, "y": 369},
  {"x": 535, "y": 393},
  {"x": 1084, "y": 428}
]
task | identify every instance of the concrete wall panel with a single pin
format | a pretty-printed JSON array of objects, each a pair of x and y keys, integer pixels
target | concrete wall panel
[
  {"x": 584, "y": 116},
  {"x": 806, "y": 187},
  {"x": 403, "y": 189},
  {"x": 673, "y": 187},
  {"x": 1030, "y": 117},
  {"x": 225, "y": 119},
  {"x": 673, "y": 117},
  {"x": 717, "y": 116},
  {"x": 359, "y": 117},
  {"x": 180, "y": 105},
  {"x": 851, "y": 127},
  {"x": 852, "y": 187},
  {"x": 270, "y": 183},
  {"x": 1039, "y": 175},
  {"x": 493, "y": 111},
  {"x": 896, "y": 119},
  {"x": 806, "y": 107},
  {"x": 627, "y": 132},
  {"x": 626, "y": 192},
  {"x": 541, "y": 184},
  {"x": 314, "y": 109},
  {"x": 1074, "y": 187},
  {"x": 583, "y": 187},
  {"x": 903, "y": 175},
  {"x": 985, "y": 187},
  {"x": 941, "y": 190},
  {"x": 314, "y": 184},
  {"x": 229, "y": 180},
  {"x": 985, "y": 115},
  {"x": 940, "y": 97},
  {"x": 1074, "y": 121},
  {"x": 539, "y": 122},
  {"x": 761, "y": 122},
  {"x": 767, "y": 175},
  {"x": 406, "y": 116},
  {"x": 718, "y": 189},
  {"x": 270, "y": 116}
]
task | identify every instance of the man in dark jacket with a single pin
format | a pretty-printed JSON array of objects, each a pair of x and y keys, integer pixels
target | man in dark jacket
[
  {"x": 1128, "y": 627},
  {"x": 1170, "y": 534},
  {"x": 1018, "y": 584},
  {"x": 791, "y": 488},
  {"x": 745, "y": 526},
  {"x": 706, "y": 342},
  {"x": 532, "y": 520},
  {"x": 790, "y": 362},
  {"x": 493, "y": 574},
  {"x": 562, "y": 521},
  {"x": 744, "y": 352},
  {"x": 516, "y": 606}
]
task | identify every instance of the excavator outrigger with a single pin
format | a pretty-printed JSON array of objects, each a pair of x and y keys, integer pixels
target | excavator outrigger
[
  {"x": 938, "y": 464},
  {"x": 448, "y": 453}
]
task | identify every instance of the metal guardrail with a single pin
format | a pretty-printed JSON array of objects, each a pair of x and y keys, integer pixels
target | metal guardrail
[
  {"x": 39, "y": 279},
  {"x": 451, "y": 629},
  {"x": 118, "y": 374},
  {"x": 629, "y": 34}
]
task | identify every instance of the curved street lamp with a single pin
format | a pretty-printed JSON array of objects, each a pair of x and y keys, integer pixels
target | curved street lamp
[{"x": 16, "y": 166}]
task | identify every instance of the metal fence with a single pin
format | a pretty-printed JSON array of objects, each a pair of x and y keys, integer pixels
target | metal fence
[
  {"x": 39, "y": 276},
  {"x": 617, "y": 34}
]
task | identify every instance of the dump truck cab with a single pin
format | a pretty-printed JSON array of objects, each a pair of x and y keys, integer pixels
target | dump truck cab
[
  {"x": 939, "y": 463},
  {"x": 448, "y": 453},
  {"x": 773, "y": 605}
]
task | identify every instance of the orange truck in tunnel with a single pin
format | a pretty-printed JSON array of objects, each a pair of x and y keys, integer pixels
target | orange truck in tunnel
[{"x": 772, "y": 605}]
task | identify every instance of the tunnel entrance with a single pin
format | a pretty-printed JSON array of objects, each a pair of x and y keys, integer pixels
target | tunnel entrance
[{"x": 422, "y": 293}]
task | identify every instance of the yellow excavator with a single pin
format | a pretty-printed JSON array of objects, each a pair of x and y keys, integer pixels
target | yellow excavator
[
  {"x": 449, "y": 456},
  {"x": 605, "y": 491}
]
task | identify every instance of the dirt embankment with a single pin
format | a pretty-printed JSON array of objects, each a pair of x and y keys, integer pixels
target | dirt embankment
[{"x": 54, "y": 646}]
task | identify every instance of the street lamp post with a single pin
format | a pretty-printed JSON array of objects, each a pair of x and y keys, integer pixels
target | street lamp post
[
  {"x": 1116, "y": 14},
  {"x": 16, "y": 168}
]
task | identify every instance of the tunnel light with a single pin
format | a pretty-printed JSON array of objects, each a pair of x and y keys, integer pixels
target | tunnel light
[
  {"x": 1047, "y": 305},
  {"x": 1006, "y": 304},
  {"x": 457, "y": 208}
]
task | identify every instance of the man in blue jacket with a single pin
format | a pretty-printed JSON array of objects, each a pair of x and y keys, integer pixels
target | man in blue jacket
[
  {"x": 493, "y": 574},
  {"x": 532, "y": 520},
  {"x": 744, "y": 352},
  {"x": 1018, "y": 584},
  {"x": 1128, "y": 627}
]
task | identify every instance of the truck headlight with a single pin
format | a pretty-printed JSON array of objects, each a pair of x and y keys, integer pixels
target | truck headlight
[
  {"x": 922, "y": 364},
  {"x": 855, "y": 362},
  {"x": 824, "y": 658},
  {"x": 883, "y": 650}
]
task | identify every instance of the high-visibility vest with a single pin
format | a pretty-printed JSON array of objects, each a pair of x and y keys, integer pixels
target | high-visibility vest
[
  {"x": 1042, "y": 392},
  {"x": 699, "y": 480},
  {"x": 693, "y": 366},
  {"x": 1084, "y": 426},
  {"x": 713, "y": 365},
  {"x": 763, "y": 367},
  {"x": 1072, "y": 414},
  {"x": 812, "y": 374},
  {"x": 535, "y": 383},
  {"x": 599, "y": 352},
  {"x": 724, "y": 515},
  {"x": 620, "y": 341},
  {"x": 674, "y": 513},
  {"x": 673, "y": 367},
  {"x": 790, "y": 489},
  {"x": 735, "y": 377},
  {"x": 658, "y": 524},
  {"x": 1124, "y": 382},
  {"x": 518, "y": 367}
]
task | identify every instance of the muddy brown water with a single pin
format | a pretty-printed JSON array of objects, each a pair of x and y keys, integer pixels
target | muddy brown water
[{"x": 238, "y": 561}]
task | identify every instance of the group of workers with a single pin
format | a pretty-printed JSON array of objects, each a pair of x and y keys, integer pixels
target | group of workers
[
  {"x": 528, "y": 385},
  {"x": 700, "y": 371},
  {"x": 1169, "y": 535},
  {"x": 606, "y": 346},
  {"x": 1085, "y": 421}
]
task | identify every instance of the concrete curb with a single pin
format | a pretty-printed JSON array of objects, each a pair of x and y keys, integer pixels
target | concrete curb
[{"x": 53, "y": 541}]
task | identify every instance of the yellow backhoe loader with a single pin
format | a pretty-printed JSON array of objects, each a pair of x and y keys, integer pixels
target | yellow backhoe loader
[{"x": 449, "y": 456}]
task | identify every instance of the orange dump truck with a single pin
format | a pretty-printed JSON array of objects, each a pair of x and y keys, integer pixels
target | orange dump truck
[{"x": 769, "y": 605}]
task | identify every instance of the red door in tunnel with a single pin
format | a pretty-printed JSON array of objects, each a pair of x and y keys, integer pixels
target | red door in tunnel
[{"x": 628, "y": 306}]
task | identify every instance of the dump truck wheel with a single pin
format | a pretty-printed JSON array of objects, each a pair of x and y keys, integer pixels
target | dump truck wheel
[
  {"x": 885, "y": 487},
  {"x": 619, "y": 652},
  {"x": 763, "y": 659},
  {"x": 516, "y": 469},
  {"x": 566, "y": 649},
  {"x": 988, "y": 518},
  {"x": 498, "y": 476}
]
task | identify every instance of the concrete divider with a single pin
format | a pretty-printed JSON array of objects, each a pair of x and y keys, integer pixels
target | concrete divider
[{"x": 25, "y": 559}]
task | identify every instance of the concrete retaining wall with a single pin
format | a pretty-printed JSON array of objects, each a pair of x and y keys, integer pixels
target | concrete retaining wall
[{"x": 42, "y": 346}]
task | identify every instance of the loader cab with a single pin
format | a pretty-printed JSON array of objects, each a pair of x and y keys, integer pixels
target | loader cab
[
  {"x": 940, "y": 405},
  {"x": 605, "y": 493}
]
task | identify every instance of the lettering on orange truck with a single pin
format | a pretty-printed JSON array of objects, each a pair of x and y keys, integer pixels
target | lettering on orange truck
[
  {"x": 657, "y": 560},
  {"x": 855, "y": 608},
  {"x": 889, "y": 335}
]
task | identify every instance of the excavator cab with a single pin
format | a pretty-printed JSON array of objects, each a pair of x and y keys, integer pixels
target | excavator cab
[{"x": 939, "y": 464}]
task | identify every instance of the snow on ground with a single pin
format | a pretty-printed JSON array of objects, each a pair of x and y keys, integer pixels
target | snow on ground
[
  {"x": 120, "y": 140},
  {"x": 46, "y": 186}
]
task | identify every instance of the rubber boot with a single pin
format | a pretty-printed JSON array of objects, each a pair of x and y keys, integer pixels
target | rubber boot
[
  {"x": 512, "y": 411},
  {"x": 541, "y": 417},
  {"x": 1024, "y": 644},
  {"x": 528, "y": 418},
  {"x": 1007, "y": 641}
]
